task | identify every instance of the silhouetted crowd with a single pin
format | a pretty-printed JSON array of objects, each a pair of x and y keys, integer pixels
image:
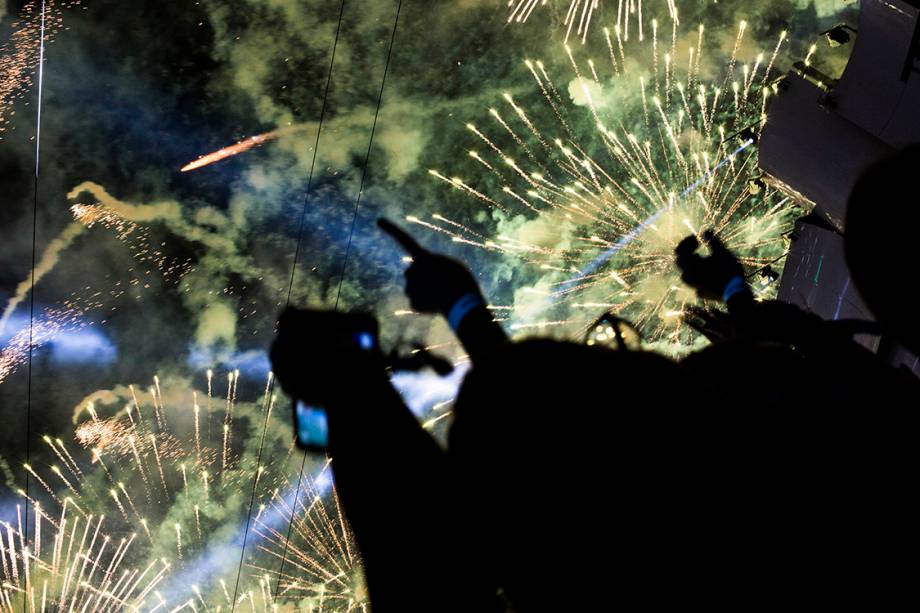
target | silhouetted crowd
[{"x": 771, "y": 469}]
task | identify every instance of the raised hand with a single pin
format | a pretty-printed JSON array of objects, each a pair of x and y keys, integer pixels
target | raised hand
[
  {"x": 717, "y": 277},
  {"x": 434, "y": 283}
]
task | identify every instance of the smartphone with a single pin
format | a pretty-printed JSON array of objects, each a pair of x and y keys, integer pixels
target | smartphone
[{"x": 311, "y": 424}]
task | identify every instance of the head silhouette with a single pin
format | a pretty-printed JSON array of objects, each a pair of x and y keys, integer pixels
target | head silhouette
[
  {"x": 565, "y": 452},
  {"x": 880, "y": 242}
]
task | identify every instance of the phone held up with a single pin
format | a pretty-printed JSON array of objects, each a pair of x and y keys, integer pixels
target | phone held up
[{"x": 337, "y": 332}]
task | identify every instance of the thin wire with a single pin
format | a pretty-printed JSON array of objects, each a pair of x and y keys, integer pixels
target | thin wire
[
  {"x": 351, "y": 234},
  {"x": 38, "y": 140},
  {"x": 367, "y": 158},
  {"x": 306, "y": 200}
]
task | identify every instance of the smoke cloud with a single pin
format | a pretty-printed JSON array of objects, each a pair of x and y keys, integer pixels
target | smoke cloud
[{"x": 43, "y": 266}]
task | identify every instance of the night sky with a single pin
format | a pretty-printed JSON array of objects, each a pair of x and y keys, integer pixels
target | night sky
[{"x": 200, "y": 265}]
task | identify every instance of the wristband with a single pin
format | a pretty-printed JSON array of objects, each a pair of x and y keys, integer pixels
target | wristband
[
  {"x": 462, "y": 308},
  {"x": 736, "y": 286}
]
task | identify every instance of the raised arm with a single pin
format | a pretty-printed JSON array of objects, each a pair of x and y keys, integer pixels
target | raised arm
[
  {"x": 439, "y": 284},
  {"x": 390, "y": 474}
]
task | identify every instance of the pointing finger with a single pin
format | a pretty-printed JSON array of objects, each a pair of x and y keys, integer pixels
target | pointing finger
[{"x": 405, "y": 240}]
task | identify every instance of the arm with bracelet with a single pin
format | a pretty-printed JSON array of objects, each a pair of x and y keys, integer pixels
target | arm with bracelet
[
  {"x": 438, "y": 284},
  {"x": 717, "y": 277}
]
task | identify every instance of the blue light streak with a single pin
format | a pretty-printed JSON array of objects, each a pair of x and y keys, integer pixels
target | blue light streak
[{"x": 628, "y": 238}]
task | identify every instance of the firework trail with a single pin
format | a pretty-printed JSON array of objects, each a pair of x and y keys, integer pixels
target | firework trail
[
  {"x": 238, "y": 148},
  {"x": 122, "y": 219},
  {"x": 44, "y": 265},
  {"x": 129, "y": 514},
  {"x": 593, "y": 191},
  {"x": 581, "y": 14}
]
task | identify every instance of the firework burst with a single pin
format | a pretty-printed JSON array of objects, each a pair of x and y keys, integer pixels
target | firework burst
[
  {"x": 319, "y": 564},
  {"x": 581, "y": 14},
  {"x": 133, "y": 513},
  {"x": 594, "y": 189}
]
